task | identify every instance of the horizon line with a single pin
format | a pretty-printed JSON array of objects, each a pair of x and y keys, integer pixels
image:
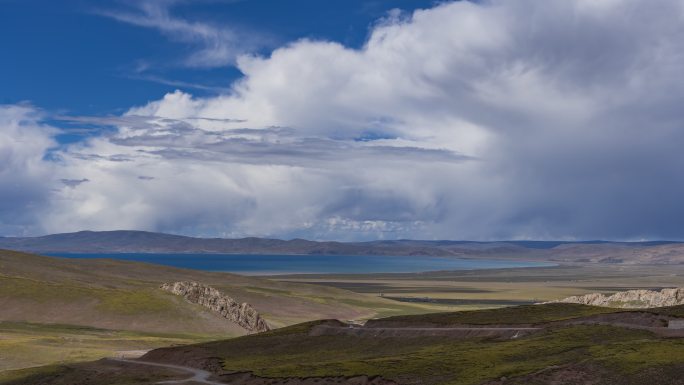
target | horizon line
[{"x": 597, "y": 240}]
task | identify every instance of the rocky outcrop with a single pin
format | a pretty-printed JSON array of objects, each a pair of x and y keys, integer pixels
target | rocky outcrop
[
  {"x": 632, "y": 299},
  {"x": 242, "y": 314}
]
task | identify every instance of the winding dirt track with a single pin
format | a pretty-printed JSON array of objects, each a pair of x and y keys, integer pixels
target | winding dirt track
[{"x": 198, "y": 375}]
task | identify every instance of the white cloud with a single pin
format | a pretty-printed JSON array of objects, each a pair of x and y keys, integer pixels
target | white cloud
[
  {"x": 499, "y": 119},
  {"x": 24, "y": 175},
  {"x": 213, "y": 45}
]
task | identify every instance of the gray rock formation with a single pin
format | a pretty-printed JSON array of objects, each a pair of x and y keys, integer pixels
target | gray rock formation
[
  {"x": 632, "y": 299},
  {"x": 242, "y": 314}
]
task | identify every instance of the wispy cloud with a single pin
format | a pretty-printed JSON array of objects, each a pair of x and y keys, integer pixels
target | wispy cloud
[
  {"x": 184, "y": 139},
  {"x": 213, "y": 45},
  {"x": 176, "y": 83}
]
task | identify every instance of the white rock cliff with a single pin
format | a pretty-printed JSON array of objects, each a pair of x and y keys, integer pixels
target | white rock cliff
[
  {"x": 631, "y": 299},
  {"x": 242, "y": 314}
]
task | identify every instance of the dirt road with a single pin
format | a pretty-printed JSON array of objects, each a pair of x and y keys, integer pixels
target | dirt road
[{"x": 199, "y": 376}]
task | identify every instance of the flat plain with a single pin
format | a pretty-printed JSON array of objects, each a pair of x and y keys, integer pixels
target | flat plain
[{"x": 476, "y": 289}]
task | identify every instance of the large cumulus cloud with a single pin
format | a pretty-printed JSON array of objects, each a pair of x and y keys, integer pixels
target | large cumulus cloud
[
  {"x": 24, "y": 174},
  {"x": 498, "y": 119}
]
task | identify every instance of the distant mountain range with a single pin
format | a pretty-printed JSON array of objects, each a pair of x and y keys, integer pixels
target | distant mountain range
[{"x": 149, "y": 242}]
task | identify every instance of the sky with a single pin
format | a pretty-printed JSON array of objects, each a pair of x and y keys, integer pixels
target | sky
[{"x": 343, "y": 119}]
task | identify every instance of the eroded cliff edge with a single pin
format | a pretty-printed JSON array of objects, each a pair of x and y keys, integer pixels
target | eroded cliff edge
[
  {"x": 242, "y": 314},
  {"x": 631, "y": 299}
]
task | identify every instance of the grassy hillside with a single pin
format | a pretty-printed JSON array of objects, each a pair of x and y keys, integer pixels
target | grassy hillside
[
  {"x": 119, "y": 297},
  {"x": 570, "y": 354},
  {"x": 125, "y": 295},
  {"x": 610, "y": 355},
  {"x": 29, "y": 344},
  {"x": 530, "y": 314},
  {"x": 619, "y": 352}
]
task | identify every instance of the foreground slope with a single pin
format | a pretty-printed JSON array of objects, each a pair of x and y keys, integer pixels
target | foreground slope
[
  {"x": 51, "y": 308},
  {"x": 126, "y": 295},
  {"x": 571, "y": 344}
]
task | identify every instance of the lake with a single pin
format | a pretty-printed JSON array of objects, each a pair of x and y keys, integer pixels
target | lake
[{"x": 256, "y": 264}]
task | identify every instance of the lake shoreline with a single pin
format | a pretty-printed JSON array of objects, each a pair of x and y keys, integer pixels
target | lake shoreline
[{"x": 305, "y": 264}]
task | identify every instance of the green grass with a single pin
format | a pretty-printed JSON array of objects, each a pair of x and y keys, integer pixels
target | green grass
[
  {"x": 135, "y": 302},
  {"x": 39, "y": 291},
  {"x": 527, "y": 314},
  {"x": 291, "y": 352},
  {"x": 638, "y": 355},
  {"x": 9, "y": 376},
  {"x": 675, "y": 311},
  {"x": 115, "y": 301},
  {"x": 97, "y": 373},
  {"x": 26, "y": 344},
  {"x": 432, "y": 360},
  {"x": 616, "y": 355}
]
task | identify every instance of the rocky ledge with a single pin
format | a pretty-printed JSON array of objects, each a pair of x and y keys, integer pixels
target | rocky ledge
[
  {"x": 631, "y": 299},
  {"x": 242, "y": 314}
]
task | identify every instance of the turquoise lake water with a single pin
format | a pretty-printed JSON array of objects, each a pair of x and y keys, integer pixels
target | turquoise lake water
[{"x": 255, "y": 264}]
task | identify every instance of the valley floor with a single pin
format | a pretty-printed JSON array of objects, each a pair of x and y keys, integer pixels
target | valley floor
[{"x": 477, "y": 289}]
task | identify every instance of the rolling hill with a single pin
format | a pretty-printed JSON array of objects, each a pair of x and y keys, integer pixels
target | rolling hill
[
  {"x": 541, "y": 344},
  {"x": 654, "y": 252},
  {"x": 68, "y": 299}
]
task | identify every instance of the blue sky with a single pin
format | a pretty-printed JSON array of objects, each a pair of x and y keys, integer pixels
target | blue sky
[
  {"x": 68, "y": 56},
  {"x": 344, "y": 120}
]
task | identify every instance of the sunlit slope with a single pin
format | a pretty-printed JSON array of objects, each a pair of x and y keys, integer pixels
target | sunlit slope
[
  {"x": 125, "y": 296},
  {"x": 25, "y": 345}
]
